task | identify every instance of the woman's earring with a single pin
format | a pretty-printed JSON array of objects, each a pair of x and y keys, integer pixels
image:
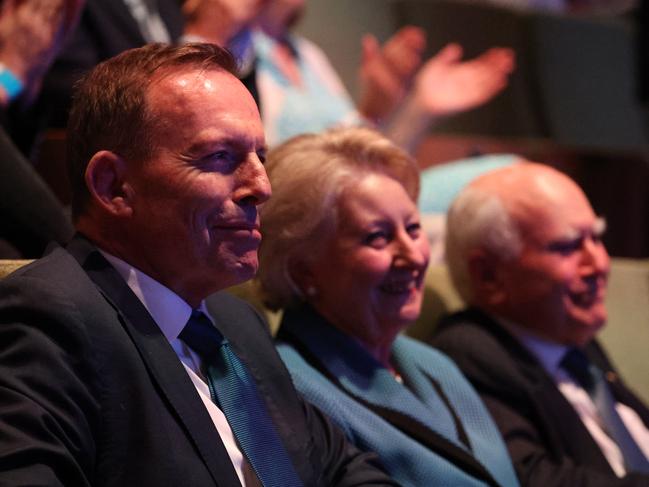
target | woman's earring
[{"x": 311, "y": 291}]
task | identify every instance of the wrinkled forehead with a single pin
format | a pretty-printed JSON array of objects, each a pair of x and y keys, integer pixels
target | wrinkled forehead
[
  {"x": 187, "y": 101},
  {"x": 178, "y": 86}
]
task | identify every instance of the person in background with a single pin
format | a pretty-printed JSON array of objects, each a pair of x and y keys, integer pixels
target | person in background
[
  {"x": 31, "y": 34},
  {"x": 344, "y": 256},
  {"x": 524, "y": 250},
  {"x": 226, "y": 23},
  {"x": 105, "y": 29},
  {"x": 400, "y": 92},
  {"x": 299, "y": 91},
  {"x": 115, "y": 367}
]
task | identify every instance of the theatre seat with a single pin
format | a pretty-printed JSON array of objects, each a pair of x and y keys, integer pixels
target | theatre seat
[{"x": 7, "y": 266}]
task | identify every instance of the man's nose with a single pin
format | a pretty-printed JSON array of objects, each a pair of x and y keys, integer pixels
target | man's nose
[
  {"x": 254, "y": 185},
  {"x": 595, "y": 257}
]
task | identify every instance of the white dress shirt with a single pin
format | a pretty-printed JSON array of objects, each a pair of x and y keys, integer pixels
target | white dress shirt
[
  {"x": 549, "y": 354},
  {"x": 171, "y": 313}
]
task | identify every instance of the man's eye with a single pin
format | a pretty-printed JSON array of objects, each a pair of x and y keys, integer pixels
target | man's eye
[
  {"x": 414, "y": 230},
  {"x": 219, "y": 155},
  {"x": 222, "y": 161},
  {"x": 567, "y": 247}
]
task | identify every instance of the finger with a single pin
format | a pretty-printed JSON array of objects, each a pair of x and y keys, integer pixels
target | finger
[
  {"x": 400, "y": 57},
  {"x": 450, "y": 53},
  {"x": 413, "y": 37},
  {"x": 496, "y": 60},
  {"x": 504, "y": 58},
  {"x": 370, "y": 48}
]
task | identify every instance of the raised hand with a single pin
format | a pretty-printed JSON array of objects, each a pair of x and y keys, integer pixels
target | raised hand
[
  {"x": 387, "y": 71},
  {"x": 31, "y": 34},
  {"x": 446, "y": 85}
]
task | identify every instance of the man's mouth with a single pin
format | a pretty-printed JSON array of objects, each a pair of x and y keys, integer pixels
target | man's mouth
[
  {"x": 240, "y": 228},
  {"x": 588, "y": 298}
]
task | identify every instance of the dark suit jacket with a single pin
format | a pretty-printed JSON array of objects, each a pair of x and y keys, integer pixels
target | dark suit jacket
[
  {"x": 546, "y": 438},
  {"x": 91, "y": 393}
]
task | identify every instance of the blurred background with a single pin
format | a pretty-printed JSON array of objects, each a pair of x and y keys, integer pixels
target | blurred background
[{"x": 575, "y": 100}]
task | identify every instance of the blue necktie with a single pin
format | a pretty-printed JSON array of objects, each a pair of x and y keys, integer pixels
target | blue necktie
[
  {"x": 592, "y": 379},
  {"x": 234, "y": 390}
]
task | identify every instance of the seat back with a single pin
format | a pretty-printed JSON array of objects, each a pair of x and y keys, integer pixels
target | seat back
[{"x": 7, "y": 266}]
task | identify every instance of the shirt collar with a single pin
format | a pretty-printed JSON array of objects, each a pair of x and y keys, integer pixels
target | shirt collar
[
  {"x": 548, "y": 353},
  {"x": 166, "y": 308}
]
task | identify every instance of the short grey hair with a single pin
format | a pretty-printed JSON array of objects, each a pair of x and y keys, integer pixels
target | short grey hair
[
  {"x": 478, "y": 220},
  {"x": 308, "y": 174}
]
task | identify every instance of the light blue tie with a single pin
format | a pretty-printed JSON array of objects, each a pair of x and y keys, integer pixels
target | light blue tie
[
  {"x": 234, "y": 390},
  {"x": 592, "y": 379}
]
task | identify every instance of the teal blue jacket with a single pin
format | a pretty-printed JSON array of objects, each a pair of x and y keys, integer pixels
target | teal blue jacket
[{"x": 432, "y": 429}]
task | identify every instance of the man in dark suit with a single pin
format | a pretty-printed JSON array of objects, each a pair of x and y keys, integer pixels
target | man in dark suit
[
  {"x": 524, "y": 251},
  {"x": 101, "y": 381}
]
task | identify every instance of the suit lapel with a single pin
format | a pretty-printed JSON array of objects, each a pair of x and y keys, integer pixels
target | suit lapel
[
  {"x": 251, "y": 342},
  {"x": 160, "y": 359},
  {"x": 619, "y": 389},
  {"x": 573, "y": 434},
  {"x": 548, "y": 400}
]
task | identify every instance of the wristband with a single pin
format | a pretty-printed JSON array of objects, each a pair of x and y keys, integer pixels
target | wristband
[{"x": 11, "y": 84}]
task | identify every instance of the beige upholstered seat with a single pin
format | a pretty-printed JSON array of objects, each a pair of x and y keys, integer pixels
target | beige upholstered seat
[{"x": 8, "y": 266}]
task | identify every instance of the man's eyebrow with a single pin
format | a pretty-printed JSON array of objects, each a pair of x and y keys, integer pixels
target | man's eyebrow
[
  {"x": 232, "y": 143},
  {"x": 599, "y": 227}
]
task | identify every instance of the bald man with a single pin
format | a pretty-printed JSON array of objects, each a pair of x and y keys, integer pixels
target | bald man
[{"x": 525, "y": 253}]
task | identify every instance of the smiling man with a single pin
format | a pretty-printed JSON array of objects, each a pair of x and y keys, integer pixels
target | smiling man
[
  {"x": 118, "y": 364},
  {"x": 524, "y": 250}
]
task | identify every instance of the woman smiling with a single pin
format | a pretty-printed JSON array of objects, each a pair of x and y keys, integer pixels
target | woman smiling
[{"x": 344, "y": 255}]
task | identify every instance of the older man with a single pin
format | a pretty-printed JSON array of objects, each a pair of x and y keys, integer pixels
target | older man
[
  {"x": 525, "y": 253},
  {"x": 114, "y": 369}
]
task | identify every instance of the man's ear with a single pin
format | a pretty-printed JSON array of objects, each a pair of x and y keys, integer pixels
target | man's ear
[
  {"x": 106, "y": 181},
  {"x": 486, "y": 277}
]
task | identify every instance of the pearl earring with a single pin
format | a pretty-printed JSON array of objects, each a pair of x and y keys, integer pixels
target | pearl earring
[{"x": 311, "y": 291}]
